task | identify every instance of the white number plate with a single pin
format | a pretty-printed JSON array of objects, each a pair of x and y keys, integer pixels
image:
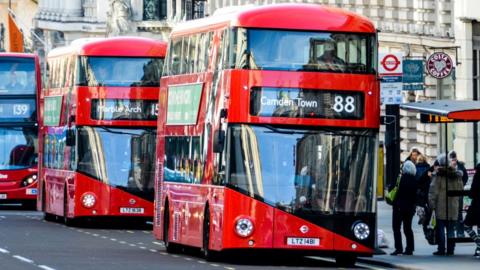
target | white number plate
[
  {"x": 297, "y": 241},
  {"x": 3, "y": 196},
  {"x": 130, "y": 210}
]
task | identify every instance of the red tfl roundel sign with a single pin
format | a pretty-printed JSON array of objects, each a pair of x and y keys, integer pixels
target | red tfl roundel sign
[
  {"x": 390, "y": 62},
  {"x": 439, "y": 65}
]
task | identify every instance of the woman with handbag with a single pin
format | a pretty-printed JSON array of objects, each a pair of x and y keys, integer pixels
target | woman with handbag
[
  {"x": 404, "y": 209},
  {"x": 473, "y": 212}
]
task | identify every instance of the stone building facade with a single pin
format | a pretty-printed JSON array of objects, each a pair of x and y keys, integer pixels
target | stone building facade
[
  {"x": 417, "y": 28},
  {"x": 24, "y": 11}
]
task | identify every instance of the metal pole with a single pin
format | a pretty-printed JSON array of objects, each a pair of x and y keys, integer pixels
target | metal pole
[{"x": 446, "y": 178}]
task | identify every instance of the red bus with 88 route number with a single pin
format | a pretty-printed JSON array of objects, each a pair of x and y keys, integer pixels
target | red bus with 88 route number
[
  {"x": 268, "y": 133},
  {"x": 19, "y": 88},
  {"x": 100, "y": 111}
]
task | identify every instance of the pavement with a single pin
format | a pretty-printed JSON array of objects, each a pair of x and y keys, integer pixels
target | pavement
[{"x": 422, "y": 257}]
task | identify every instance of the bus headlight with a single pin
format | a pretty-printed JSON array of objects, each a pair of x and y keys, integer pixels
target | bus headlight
[
  {"x": 88, "y": 200},
  {"x": 29, "y": 180},
  {"x": 361, "y": 230},
  {"x": 244, "y": 227}
]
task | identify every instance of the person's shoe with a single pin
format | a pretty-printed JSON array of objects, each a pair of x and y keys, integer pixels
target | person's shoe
[
  {"x": 407, "y": 253},
  {"x": 439, "y": 253},
  {"x": 396, "y": 252},
  {"x": 450, "y": 253},
  {"x": 477, "y": 253}
]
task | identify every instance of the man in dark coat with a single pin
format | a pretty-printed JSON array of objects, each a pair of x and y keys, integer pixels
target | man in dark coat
[
  {"x": 446, "y": 208},
  {"x": 473, "y": 213},
  {"x": 404, "y": 209}
]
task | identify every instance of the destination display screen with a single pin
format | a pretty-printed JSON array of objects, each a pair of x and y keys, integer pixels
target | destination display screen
[
  {"x": 124, "y": 109},
  {"x": 306, "y": 103},
  {"x": 12, "y": 110}
]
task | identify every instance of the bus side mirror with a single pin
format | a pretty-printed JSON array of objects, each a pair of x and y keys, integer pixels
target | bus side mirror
[
  {"x": 218, "y": 141},
  {"x": 70, "y": 140}
]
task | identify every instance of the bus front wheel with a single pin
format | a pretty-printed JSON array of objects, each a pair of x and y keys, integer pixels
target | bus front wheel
[
  {"x": 209, "y": 254},
  {"x": 169, "y": 246},
  {"x": 346, "y": 260},
  {"x": 66, "y": 220}
]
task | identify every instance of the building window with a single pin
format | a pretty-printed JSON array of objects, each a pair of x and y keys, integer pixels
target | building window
[{"x": 154, "y": 10}]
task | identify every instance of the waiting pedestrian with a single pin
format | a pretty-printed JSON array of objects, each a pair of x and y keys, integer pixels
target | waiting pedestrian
[
  {"x": 423, "y": 177},
  {"x": 404, "y": 209},
  {"x": 414, "y": 152},
  {"x": 473, "y": 212},
  {"x": 438, "y": 200},
  {"x": 460, "y": 166}
]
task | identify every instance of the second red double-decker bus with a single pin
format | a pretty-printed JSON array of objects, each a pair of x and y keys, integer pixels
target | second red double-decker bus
[
  {"x": 96, "y": 144},
  {"x": 19, "y": 88},
  {"x": 268, "y": 131}
]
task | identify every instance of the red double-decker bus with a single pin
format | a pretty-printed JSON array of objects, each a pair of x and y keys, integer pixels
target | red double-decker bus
[
  {"x": 98, "y": 134},
  {"x": 19, "y": 88},
  {"x": 268, "y": 133}
]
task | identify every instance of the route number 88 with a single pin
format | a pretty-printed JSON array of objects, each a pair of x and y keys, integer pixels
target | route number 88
[{"x": 344, "y": 105}]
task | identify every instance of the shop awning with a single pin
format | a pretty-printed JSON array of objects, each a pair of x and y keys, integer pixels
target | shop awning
[{"x": 445, "y": 111}]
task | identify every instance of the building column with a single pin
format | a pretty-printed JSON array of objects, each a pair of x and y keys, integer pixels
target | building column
[{"x": 463, "y": 142}]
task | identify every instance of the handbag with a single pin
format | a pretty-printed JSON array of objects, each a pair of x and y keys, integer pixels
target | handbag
[
  {"x": 429, "y": 231},
  {"x": 392, "y": 194}
]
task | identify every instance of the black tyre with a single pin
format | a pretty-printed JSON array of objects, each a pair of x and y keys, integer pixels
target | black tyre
[
  {"x": 169, "y": 246},
  {"x": 346, "y": 260},
  {"x": 209, "y": 254},
  {"x": 66, "y": 220}
]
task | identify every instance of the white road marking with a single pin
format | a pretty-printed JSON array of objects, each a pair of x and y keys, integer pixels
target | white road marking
[
  {"x": 214, "y": 265},
  {"x": 143, "y": 247},
  {"x": 46, "y": 267},
  {"x": 229, "y": 268},
  {"x": 122, "y": 242},
  {"x": 132, "y": 245},
  {"x": 188, "y": 259},
  {"x": 96, "y": 235},
  {"x": 153, "y": 250},
  {"x": 4, "y": 251},
  {"x": 158, "y": 243},
  {"x": 113, "y": 239},
  {"x": 18, "y": 257},
  {"x": 104, "y": 237},
  {"x": 175, "y": 256},
  {"x": 130, "y": 232}
]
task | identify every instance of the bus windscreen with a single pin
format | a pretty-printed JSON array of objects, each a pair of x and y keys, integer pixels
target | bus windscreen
[
  {"x": 17, "y": 148},
  {"x": 269, "y": 49},
  {"x": 17, "y": 76},
  {"x": 119, "y": 71}
]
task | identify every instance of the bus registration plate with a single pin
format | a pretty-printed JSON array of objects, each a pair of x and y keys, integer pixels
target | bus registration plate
[
  {"x": 3, "y": 196},
  {"x": 131, "y": 210},
  {"x": 301, "y": 241}
]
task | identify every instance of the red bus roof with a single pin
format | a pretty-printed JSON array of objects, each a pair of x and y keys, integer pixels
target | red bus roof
[
  {"x": 115, "y": 46},
  {"x": 284, "y": 16},
  {"x": 20, "y": 55}
]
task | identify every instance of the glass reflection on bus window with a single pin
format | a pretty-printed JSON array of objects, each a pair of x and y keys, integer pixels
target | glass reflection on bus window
[
  {"x": 120, "y": 71},
  {"x": 17, "y": 76},
  {"x": 304, "y": 51},
  {"x": 323, "y": 171}
]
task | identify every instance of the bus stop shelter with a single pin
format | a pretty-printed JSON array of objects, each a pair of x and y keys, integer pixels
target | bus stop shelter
[{"x": 445, "y": 112}]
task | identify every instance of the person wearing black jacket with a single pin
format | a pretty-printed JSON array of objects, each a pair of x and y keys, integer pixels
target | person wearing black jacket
[
  {"x": 404, "y": 209},
  {"x": 473, "y": 213}
]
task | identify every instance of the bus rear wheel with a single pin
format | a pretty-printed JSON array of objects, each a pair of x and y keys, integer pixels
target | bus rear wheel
[{"x": 169, "y": 246}]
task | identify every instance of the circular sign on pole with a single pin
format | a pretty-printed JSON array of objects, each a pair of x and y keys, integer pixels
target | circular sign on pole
[
  {"x": 390, "y": 62},
  {"x": 439, "y": 65}
]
